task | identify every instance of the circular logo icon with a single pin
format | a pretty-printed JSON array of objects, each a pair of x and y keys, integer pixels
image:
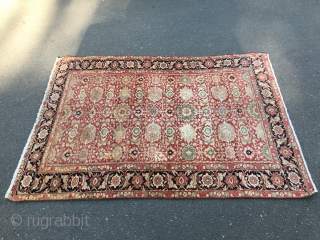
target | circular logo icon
[{"x": 16, "y": 220}]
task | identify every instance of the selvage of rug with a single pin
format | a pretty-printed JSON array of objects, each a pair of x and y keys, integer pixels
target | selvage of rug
[{"x": 162, "y": 127}]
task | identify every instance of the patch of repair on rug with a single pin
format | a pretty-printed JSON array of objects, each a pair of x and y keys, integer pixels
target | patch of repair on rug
[{"x": 162, "y": 127}]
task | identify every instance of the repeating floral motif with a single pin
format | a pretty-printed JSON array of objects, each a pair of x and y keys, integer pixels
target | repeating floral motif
[{"x": 113, "y": 127}]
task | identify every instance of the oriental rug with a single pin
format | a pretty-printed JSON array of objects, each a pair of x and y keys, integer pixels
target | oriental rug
[{"x": 162, "y": 127}]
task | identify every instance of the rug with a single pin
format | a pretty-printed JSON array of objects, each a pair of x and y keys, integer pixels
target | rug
[{"x": 162, "y": 127}]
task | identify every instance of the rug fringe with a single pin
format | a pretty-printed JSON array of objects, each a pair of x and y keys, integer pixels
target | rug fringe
[
  {"x": 305, "y": 163},
  {"x": 8, "y": 193}
]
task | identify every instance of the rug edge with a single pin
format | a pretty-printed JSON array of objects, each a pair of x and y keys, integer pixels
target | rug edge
[
  {"x": 8, "y": 194},
  {"x": 164, "y": 56},
  {"x": 294, "y": 133},
  {"x": 95, "y": 196}
]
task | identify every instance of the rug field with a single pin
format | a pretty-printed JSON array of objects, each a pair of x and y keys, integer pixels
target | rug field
[{"x": 162, "y": 127}]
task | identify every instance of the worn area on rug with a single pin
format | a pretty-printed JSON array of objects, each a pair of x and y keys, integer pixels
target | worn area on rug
[{"x": 162, "y": 127}]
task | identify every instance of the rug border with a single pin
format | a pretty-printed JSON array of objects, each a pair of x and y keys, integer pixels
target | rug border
[
  {"x": 108, "y": 195},
  {"x": 32, "y": 130},
  {"x": 294, "y": 132}
]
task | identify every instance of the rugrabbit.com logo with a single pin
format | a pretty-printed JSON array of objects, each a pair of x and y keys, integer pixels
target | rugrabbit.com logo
[{"x": 45, "y": 222}]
